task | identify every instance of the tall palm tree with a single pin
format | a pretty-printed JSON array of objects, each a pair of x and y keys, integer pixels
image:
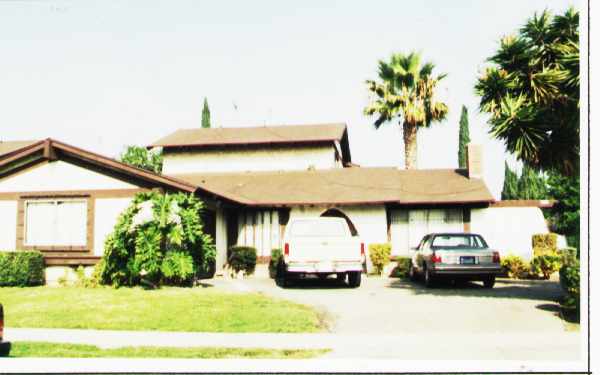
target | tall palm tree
[{"x": 406, "y": 93}]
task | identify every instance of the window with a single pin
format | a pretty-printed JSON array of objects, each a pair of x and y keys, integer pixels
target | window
[
  {"x": 458, "y": 241},
  {"x": 319, "y": 229},
  {"x": 56, "y": 222}
]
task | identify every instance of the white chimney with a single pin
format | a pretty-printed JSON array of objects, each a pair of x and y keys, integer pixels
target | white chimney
[{"x": 474, "y": 161}]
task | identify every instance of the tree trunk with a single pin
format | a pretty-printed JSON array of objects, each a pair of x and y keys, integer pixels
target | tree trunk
[{"x": 409, "y": 131}]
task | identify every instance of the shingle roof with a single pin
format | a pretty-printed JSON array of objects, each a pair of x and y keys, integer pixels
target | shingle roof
[
  {"x": 7, "y": 147},
  {"x": 253, "y": 135},
  {"x": 345, "y": 186}
]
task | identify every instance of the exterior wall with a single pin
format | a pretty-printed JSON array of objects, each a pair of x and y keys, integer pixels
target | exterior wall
[
  {"x": 221, "y": 239},
  {"x": 241, "y": 160},
  {"x": 259, "y": 229},
  {"x": 57, "y": 176},
  {"x": 509, "y": 229},
  {"x": 107, "y": 212},
  {"x": 8, "y": 228}
]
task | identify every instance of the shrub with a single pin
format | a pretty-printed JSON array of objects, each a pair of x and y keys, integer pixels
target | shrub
[
  {"x": 569, "y": 281},
  {"x": 545, "y": 265},
  {"x": 515, "y": 267},
  {"x": 276, "y": 256},
  {"x": 155, "y": 225},
  {"x": 380, "y": 255},
  {"x": 177, "y": 268},
  {"x": 544, "y": 244},
  {"x": 401, "y": 269},
  {"x": 242, "y": 258},
  {"x": 21, "y": 268}
]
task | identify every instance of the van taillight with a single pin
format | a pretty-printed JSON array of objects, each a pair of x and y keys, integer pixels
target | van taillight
[
  {"x": 286, "y": 249},
  {"x": 496, "y": 257},
  {"x": 1, "y": 323},
  {"x": 362, "y": 248},
  {"x": 436, "y": 258}
]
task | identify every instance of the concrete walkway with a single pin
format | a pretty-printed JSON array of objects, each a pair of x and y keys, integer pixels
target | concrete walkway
[{"x": 528, "y": 347}]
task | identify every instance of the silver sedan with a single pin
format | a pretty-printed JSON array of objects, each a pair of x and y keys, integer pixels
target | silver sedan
[{"x": 458, "y": 256}]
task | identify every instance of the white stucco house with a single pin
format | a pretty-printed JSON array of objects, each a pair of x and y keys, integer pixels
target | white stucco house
[{"x": 63, "y": 200}]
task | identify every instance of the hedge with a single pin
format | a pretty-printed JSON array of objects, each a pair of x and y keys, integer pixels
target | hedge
[
  {"x": 380, "y": 255},
  {"x": 402, "y": 267},
  {"x": 21, "y": 268},
  {"x": 242, "y": 258}
]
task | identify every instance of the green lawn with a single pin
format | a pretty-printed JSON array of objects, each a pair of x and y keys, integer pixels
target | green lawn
[
  {"x": 47, "y": 350},
  {"x": 165, "y": 309}
]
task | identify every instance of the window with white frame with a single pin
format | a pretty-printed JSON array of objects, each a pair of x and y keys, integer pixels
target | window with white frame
[{"x": 57, "y": 222}]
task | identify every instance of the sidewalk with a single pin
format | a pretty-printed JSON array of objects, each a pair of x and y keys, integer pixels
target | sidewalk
[{"x": 528, "y": 347}]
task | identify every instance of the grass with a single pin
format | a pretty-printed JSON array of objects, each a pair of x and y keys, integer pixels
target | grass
[
  {"x": 166, "y": 309},
  {"x": 21, "y": 349}
]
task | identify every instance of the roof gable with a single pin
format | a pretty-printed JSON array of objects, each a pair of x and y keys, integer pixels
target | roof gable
[
  {"x": 50, "y": 150},
  {"x": 260, "y": 135}
]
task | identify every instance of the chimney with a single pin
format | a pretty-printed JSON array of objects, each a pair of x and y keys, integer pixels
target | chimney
[{"x": 474, "y": 161}]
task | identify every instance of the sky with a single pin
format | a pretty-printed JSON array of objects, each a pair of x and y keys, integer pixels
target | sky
[{"x": 105, "y": 74}]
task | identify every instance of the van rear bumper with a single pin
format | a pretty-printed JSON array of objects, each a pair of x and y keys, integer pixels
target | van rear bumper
[
  {"x": 4, "y": 348},
  {"x": 323, "y": 267}
]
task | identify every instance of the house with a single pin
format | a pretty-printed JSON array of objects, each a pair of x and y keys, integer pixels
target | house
[
  {"x": 64, "y": 201},
  {"x": 272, "y": 173}
]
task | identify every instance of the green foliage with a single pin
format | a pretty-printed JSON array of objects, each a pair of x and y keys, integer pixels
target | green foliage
[
  {"x": 21, "y": 268},
  {"x": 530, "y": 185},
  {"x": 402, "y": 267},
  {"x": 532, "y": 92},
  {"x": 205, "y": 115},
  {"x": 142, "y": 158},
  {"x": 545, "y": 265},
  {"x": 406, "y": 93},
  {"x": 564, "y": 216},
  {"x": 177, "y": 268},
  {"x": 510, "y": 190},
  {"x": 570, "y": 281},
  {"x": 242, "y": 258},
  {"x": 155, "y": 225},
  {"x": 463, "y": 138},
  {"x": 545, "y": 240},
  {"x": 276, "y": 256},
  {"x": 379, "y": 253},
  {"x": 515, "y": 267}
]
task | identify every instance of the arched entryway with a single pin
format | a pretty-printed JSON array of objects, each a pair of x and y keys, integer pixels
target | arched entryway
[{"x": 334, "y": 212}]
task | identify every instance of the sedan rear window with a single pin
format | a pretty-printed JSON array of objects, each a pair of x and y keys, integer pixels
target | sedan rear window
[
  {"x": 462, "y": 241},
  {"x": 319, "y": 229}
]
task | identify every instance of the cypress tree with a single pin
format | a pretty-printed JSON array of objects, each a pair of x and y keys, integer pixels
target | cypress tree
[
  {"x": 463, "y": 138},
  {"x": 532, "y": 185},
  {"x": 510, "y": 189},
  {"x": 205, "y": 115}
]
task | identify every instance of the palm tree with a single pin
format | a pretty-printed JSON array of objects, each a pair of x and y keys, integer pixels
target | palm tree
[{"x": 406, "y": 93}]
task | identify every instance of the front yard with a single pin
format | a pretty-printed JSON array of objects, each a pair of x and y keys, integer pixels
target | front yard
[{"x": 166, "y": 309}]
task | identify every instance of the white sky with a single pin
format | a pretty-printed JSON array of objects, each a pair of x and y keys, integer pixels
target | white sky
[{"x": 104, "y": 74}]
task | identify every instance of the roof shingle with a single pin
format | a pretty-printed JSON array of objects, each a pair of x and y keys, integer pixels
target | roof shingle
[{"x": 345, "y": 186}]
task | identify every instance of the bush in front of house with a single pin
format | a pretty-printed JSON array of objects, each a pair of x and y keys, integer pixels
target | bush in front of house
[
  {"x": 515, "y": 267},
  {"x": 544, "y": 244},
  {"x": 242, "y": 259},
  {"x": 379, "y": 253},
  {"x": 21, "y": 268},
  {"x": 276, "y": 257},
  {"x": 542, "y": 266},
  {"x": 159, "y": 239},
  {"x": 402, "y": 267},
  {"x": 570, "y": 282}
]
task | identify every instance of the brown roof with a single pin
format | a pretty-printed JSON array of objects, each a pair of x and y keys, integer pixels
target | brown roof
[
  {"x": 253, "y": 135},
  {"x": 50, "y": 149},
  {"x": 345, "y": 186},
  {"x": 7, "y": 147}
]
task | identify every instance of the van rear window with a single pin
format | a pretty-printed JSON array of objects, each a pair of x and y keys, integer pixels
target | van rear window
[{"x": 319, "y": 229}]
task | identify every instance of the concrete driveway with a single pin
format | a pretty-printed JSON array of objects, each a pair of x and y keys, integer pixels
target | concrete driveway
[
  {"x": 393, "y": 306},
  {"x": 516, "y": 320}
]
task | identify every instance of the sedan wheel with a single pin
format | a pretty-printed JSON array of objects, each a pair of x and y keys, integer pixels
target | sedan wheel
[
  {"x": 489, "y": 282},
  {"x": 411, "y": 272},
  {"x": 428, "y": 278}
]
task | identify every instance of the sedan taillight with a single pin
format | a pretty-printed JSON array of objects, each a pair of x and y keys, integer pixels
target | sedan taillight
[
  {"x": 496, "y": 257},
  {"x": 436, "y": 258}
]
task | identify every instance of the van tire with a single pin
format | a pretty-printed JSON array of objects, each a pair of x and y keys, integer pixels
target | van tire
[{"x": 354, "y": 279}]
